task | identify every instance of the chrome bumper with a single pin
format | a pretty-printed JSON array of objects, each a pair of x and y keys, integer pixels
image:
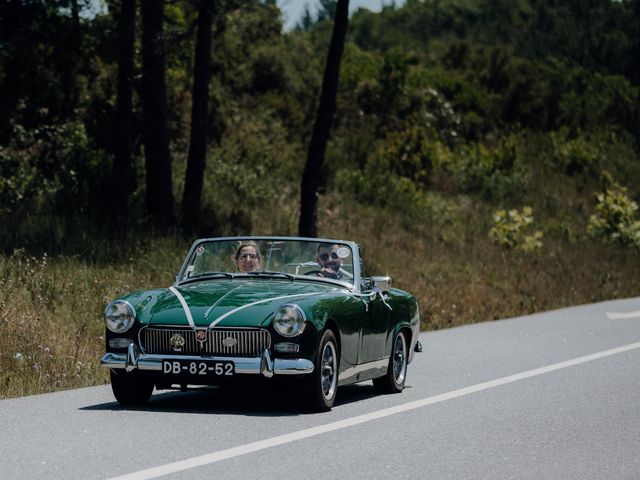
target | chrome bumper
[{"x": 264, "y": 365}]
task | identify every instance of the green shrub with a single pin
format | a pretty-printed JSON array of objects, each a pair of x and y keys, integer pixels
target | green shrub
[
  {"x": 397, "y": 194},
  {"x": 251, "y": 169},
  {"x": 614, "y": 220},
  {"x": 408, "y": 154},
  {"x": 589, "y": 153},
  {"x": 381, "y": 189},
  {"x": 57, "y": 164},
  {"x": 358, "y": 66},
  {"x": 509, "y": 230},
  {"x": 575, "y": 156},
  {"x": 494, "y": 172}
]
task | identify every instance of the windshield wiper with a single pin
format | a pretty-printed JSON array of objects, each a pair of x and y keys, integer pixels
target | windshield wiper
[
  {"x": 272, "y": 273},
  {"x": 204, "y": 275}
]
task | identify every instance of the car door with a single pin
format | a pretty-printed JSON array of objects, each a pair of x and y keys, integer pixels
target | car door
[{"x": 375, "y": 330}]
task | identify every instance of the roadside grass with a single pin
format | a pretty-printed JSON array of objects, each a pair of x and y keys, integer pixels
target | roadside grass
[
  {"x": 51, "y": 327},
  {"x": 459, "y": 276}
]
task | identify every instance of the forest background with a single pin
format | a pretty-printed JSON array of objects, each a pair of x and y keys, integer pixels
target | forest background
[{"x": 484, "y": 153}]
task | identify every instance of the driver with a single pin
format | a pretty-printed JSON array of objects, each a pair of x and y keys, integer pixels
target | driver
[
  {"x": 330, "y": 261},
  {"x": 248, "y": 257}
]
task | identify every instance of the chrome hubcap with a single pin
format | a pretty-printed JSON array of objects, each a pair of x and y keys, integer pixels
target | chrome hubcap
[
  {"x": 399, "y": 359},
  {"x": 328, "y": 370}
]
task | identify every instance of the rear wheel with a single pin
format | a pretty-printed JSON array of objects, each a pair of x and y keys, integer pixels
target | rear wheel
[
  {"x": 393, "y": 381},
  {"x": 130, "y": 388},
  {"x": 321, "y": 386}
]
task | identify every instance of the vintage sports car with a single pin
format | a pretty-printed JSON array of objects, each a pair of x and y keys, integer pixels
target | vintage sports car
[{"x": 299, "y": 309}]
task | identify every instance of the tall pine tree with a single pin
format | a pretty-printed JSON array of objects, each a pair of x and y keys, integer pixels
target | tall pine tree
[
  {"x": 159, "y": 193},
  {"x": 308, "y": 224}
]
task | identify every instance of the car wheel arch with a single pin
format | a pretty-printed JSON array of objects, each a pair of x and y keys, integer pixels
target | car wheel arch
[
  {"x": 406, "y": 330},
  {"x": 402, "y": 327},
  {"x": 332, "y": 325}
]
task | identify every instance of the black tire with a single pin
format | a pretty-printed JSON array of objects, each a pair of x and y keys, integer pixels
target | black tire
[
  {"x": 130, "y": 388},
  {"x": 321, "y": 386},
  {"x": 393, "y": 381}
]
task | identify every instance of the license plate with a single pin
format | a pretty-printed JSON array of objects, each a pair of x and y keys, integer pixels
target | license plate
[{"x": 200, "y": 368}]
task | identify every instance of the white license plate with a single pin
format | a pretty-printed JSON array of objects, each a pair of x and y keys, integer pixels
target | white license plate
[{"x": 200, "y": 368}]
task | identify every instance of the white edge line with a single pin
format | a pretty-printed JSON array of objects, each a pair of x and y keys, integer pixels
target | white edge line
[
  {"x": 228, "y": 453},
  {"x": 619, "y": 316},
  {"x": 185, "y": 307}
]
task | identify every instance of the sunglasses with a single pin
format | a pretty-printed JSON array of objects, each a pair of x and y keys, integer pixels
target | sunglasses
[
  {"x": 245, "y": 256},
  {"x": 325, "y": 256}
]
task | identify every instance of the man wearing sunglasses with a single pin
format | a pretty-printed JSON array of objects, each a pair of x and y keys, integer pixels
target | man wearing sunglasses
[{"x": 330, "y": 261}]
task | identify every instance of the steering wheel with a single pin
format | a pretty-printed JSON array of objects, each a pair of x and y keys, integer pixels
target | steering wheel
[{"x": 314, "y": 272}]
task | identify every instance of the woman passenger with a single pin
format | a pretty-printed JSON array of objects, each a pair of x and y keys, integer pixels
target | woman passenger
[{"x": 248, "y": 257}]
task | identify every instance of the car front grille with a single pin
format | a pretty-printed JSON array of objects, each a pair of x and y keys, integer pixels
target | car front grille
[{"x": 228, "y": 343}]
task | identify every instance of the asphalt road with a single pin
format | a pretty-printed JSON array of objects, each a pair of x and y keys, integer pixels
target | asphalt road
[{"x": 554, "y": 396}]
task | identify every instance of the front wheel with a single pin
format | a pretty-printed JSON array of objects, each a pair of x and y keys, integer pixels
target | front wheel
[
  {"x": 130, "y": 388},
  {"x": 393, "y": 381},
  {"x": 321, "y": 386}
]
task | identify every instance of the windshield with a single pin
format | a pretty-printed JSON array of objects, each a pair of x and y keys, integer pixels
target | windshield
[{"x": 270, "y": 257}]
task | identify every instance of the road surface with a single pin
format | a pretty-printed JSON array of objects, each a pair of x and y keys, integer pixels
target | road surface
[{"x": 552, "y": 395}]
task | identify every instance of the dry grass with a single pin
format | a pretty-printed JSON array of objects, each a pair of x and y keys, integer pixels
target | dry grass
[
  {"x": 459, "y": 276},
  {"x": 51, "y": 327}
]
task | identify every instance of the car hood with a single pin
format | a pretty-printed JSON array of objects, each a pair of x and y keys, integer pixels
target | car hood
[{"x": 228, "y": 303}]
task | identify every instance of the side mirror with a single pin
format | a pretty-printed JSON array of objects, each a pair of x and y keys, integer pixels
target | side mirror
[{"x": 382, "y": 283}]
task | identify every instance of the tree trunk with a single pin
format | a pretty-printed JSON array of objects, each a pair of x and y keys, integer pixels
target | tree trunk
[
  {"x": 11, "y": 86},
  {"x": 122, "y": 178},
  {"x": 192, "y": 196},
  {"x": 159, "y": 194},
  {"x": 308, "y": 226}
]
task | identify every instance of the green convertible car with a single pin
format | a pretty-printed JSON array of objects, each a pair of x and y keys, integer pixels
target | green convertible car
[{"x": 242, "y": 308}]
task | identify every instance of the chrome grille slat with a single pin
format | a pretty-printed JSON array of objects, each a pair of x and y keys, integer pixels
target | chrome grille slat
[{"x": 248, "y": 342}]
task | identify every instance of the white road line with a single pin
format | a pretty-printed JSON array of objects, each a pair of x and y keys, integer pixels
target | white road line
[
  {"x": 621, "y": 315},
  {"x": 221, "y": 455}
]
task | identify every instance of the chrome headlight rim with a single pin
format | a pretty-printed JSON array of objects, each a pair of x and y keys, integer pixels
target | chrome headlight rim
[
  {"x": 119, "y": 326},
  {"x": 288, "y": 328}
]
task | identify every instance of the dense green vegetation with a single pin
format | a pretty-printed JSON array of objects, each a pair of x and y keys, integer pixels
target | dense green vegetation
[{"x": 485, "y": 154}]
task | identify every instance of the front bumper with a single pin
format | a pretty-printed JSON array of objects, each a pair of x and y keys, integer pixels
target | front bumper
[{"x": 264, "y": 365}]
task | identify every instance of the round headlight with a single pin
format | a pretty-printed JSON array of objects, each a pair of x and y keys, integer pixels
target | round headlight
[
  {"x": 119, "y": 316},
  {"x": 288, "y": 320}
]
